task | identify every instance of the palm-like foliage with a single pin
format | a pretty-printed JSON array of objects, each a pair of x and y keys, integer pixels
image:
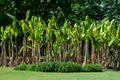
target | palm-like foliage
[
  {"x": 3, "y": 48},
  {"x": 85, "y": 42}
]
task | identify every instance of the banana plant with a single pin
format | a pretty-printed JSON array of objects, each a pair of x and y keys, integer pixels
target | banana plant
[
  {"x": 12, "y": 35},
  {"x": 105, "y": 31},
  {"x": 49, "y": 36},
  {"x": 118, "y": 35},
  {"x": 25, "y": 31},
  {"x": 3, "y": 45},
  {"x": 15, "y": 33},
  {"x": 86, "y": 36},
  {"x": 32, "y": 27},
  {"x": 116, "y": 55},
  {"x": 36, "y": 30},
  {"x": 76, "y": 41},
  {"x": 10, "y": 44},
  {"x": 66, "y": 38},
  {"x": 94, "y": 39},
  {"x": 57, "y": 45},
  {"x": 39, "y": 37}
]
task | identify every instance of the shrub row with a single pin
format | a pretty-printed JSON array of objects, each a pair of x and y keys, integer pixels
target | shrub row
[
  {"x": 92, "y": 68},
  {"x": 60, "y": 67}
]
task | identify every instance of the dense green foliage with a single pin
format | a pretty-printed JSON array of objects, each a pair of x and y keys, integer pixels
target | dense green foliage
[
  {"x": 51, "y": 67},
  {"x": 60, "y": 67},
  {"x": 21, "y": 67},
  {"x": 85, "y": 42},
  {"x": 59, "y": 30},
  {"x": 92, "y": 68},
  {"x": 61, "y": 9}
]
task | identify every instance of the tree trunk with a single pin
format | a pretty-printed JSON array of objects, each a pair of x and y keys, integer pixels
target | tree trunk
[
  {"x": 0, "y": 60},
  {"x": 45, "y": 53},
  {"x": 103, "y": 54},
  {"x": 12, "y": 53},
  {"x": 86, "y": 52},
  {"x": 16, "y": 61},
  {"x": 115, "y": 66},
  {"x": 59, "y": 54},
  {"x": 78, "y": 51},
  {"x": 24, "y": 50},
  {"x": 49, "y": 51},
  {"x": 107, "y": 57},
  {"x": 64, "y": 52},
  {"x": 33, "y": 52},
  {"x": 39, "y": 55},
  {"x": 9, "y": 52},
  {"x": 4, "y": 54},
  {"x": 49, "y": 54},
  {"x": 93, "y": 57},
  {"x": 16, "y": 47},
  {"x": 98, "y": 56},
  {"x": 9, "y": 49}
]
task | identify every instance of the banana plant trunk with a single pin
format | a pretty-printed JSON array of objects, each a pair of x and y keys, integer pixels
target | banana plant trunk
[
  {"x": 49, "y": 51},
  {"x": 70, "y": 52},
  {"x": 0, "y": 59},
  {"x": 16, "y": 47},
  {"x": 39, "y": 55},
  {"x": 16, "y": 61},
  {"x": 45, "y": 58},
  {"x": 4, "y": 55},
  {"x": 64, "y": 52},
  {"x": 60, "y": 54},
  {"x": 24, "y": 50},
  {"x": 11, "y": 53},
  {"x": 86, "y": 54},
  {"x": 103, "y": 54},
  {"x": 93, "y": 57},
  {"x": 12, "y": 61},
  {"x": 33, "y": 52},
  {"x": 115, "y": 65},
  {"x": 98, "y": 56},
  {"x": 107, "y": 57},
  {"x": 78, "y": 51}
]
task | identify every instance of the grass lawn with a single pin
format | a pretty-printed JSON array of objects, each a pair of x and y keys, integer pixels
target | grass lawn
[{"x": 9, "y": 74}]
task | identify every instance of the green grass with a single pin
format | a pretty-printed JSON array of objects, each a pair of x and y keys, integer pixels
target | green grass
[{"x": 9, "y": 74}]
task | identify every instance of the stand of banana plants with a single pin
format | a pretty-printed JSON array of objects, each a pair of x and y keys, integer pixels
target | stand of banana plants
[{"x": 32, "y": 40}]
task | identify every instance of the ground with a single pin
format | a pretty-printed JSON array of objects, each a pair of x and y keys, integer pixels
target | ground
[{"x": 10, "y": 74}]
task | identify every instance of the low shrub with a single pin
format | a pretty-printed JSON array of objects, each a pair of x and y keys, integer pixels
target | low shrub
[
  {"x": 92, "y": 68},
  {"x": 44, "y": 67},
  {"x": 60, "y": 67},
  {"x": 21, "y": 67},
  {"x": 32, "y": 67},
  {"x": 56, "y": 66},
  {"x": 51, "y": 67},
  {"x": 69, "y": 67}
]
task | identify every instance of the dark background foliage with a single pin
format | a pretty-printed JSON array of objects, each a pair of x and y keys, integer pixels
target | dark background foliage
[{"x": 72, "y": 10}]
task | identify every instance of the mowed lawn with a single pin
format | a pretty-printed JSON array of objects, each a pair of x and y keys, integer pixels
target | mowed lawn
[{"x": 9, "y": 74}]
